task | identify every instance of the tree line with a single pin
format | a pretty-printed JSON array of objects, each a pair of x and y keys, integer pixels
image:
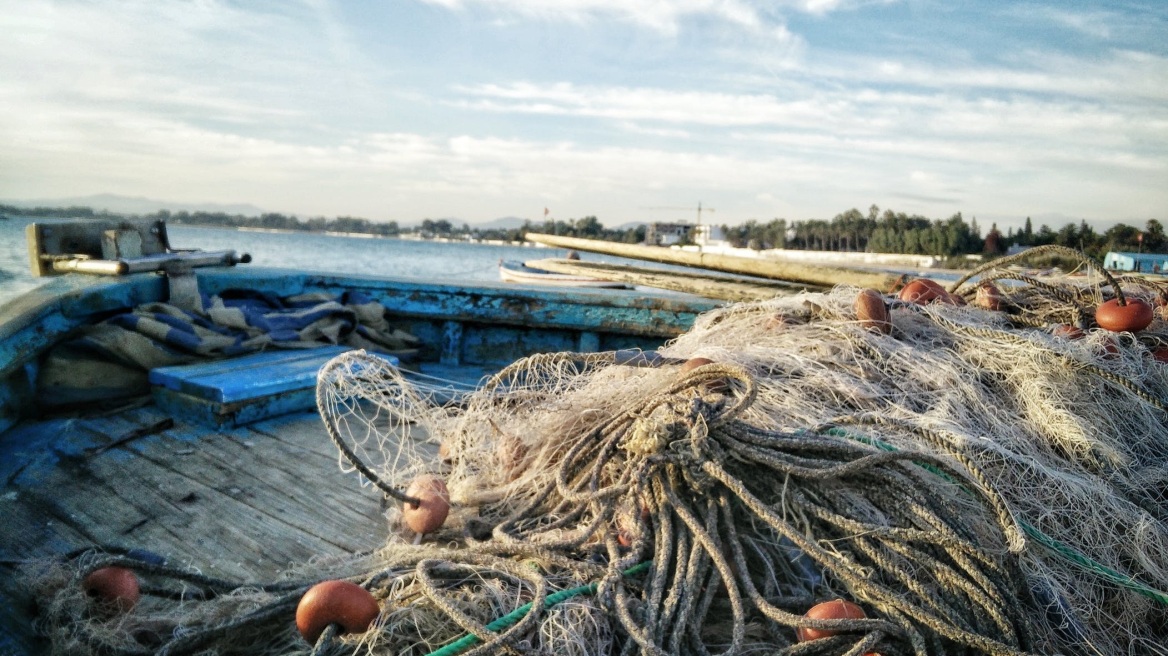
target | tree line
[
  {"x": 853, "y": 230},
  {"x": 897, "y": 232},
  {"x": 588, "y": 227}
]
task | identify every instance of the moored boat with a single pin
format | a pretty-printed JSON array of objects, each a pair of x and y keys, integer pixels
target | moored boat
[{"x": 518, "y": 272}]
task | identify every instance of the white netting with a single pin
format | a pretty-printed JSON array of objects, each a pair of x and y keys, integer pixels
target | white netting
[{"x": 976, "y": 485}]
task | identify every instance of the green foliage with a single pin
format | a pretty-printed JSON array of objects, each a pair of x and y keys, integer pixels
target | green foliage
[
  {"x": 887, "y": 232},
  {"x": 892, "y": 232},
  {"x": 1120, "y": 237}
]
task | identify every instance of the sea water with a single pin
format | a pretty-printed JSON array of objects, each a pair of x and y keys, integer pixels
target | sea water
[{"x": 306, "y": 251}]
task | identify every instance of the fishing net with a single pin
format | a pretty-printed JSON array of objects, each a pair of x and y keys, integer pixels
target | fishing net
[{"x": 976, "y": 481}]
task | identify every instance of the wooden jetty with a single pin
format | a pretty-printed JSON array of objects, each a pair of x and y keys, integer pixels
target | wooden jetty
[{"x": 811, "y": 274}]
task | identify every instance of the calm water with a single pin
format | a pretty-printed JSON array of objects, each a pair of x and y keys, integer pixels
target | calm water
[{"x": 315, "y": 252}]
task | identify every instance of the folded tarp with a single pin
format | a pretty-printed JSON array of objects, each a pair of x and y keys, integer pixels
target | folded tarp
[{"x": 111, "y": 360}]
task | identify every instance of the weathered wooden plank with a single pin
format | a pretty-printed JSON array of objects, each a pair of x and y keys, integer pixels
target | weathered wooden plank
[
  {"x": 311, "y": 439},
  {"x": 183, "y": 509},
  {"x": 315, "y": 498},
  {"x": 265, "y": 475},
  {"x": 776, "y": 269},
  {"x": 246, "y": 389},
  {"x": 302, "y": 436},
  {"x": 232, "y": 379},
  {"x": 726, "y": 289},
  {"x": 29, "y": 532},
  {"x": 609, "y": 310},
  {"x": 226, "y": 415},
  {"x": 252, "y": 376}
]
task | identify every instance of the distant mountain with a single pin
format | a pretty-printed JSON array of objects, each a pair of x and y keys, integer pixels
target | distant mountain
[
  {"x": 503, "y": 223},
  {"x": 631, "y": 225},
  {"x": 509, "y": 222},
  {"x": 136, "y": 205}
]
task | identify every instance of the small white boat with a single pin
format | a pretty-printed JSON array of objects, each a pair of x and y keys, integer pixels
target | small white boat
[{"x": 518, "y": 272}]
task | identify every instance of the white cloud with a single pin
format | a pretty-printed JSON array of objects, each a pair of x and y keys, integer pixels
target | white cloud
[
  {"x": 644, "y": 104},
  {"x": 942, "y": 119},
  {"x": 283, "y": 106},
  {"x": 638, "y": 128},
  {"x": 207, "y": 60},
  {"x": 664, "y": 16},
  {"x": 1118, "y": 75},
  {"x": 1095, "y": 24}
]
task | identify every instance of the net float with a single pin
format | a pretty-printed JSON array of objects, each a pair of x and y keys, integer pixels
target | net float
[
  {"x": 428, "y": 516},
  {"x": 988, "y": 297},
  {"x": 1067, "y": 331},
  {"x": 1110, "y": 347},
  {"x": 346, "y": 604},
  {"x": 923, "y": 291},
  {"x": 511, "y": 453},
  {"x": 116, "y": 587},
  {"x": 693, "y": 363},
  {"x": 1130, "y": 318},
  {"x": 836, "y": 609},
  {"x": 872, "y": 311}
]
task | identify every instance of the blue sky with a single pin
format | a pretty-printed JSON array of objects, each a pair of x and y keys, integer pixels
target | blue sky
[{"x": 477, "y": 109}]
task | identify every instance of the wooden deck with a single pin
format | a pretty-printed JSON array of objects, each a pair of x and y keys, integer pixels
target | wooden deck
[
  {"x": 241, "y": 503},
  {"x": 246, "y": 503}
]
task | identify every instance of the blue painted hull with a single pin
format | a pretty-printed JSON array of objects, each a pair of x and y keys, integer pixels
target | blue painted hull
[
  {"x": 188, "y": 463},
  {"x": 485, "y": 325}
]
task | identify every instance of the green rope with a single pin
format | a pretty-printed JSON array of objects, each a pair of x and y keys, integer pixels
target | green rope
[
  {"x": 469, "y": 640},
  {"x": 1065, "y": 551},
  {"x": 1099, "y": 569}
]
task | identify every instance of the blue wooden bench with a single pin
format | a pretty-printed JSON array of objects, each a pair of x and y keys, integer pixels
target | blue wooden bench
[{"x": 243, "y": 390}]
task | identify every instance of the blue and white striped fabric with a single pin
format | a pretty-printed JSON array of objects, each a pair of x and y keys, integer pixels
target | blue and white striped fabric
[{"x": 113, "y": 358}]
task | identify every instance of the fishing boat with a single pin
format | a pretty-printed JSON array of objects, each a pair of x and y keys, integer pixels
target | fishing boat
[
  {"x": 518, "y": 272},
  {"x": 940, "y": 471},
  {"x": 221, "y": 463}
]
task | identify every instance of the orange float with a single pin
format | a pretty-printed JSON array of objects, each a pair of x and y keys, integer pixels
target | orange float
[
  {"x": 693, "y": 363},
  {"x": 923, "y": 291},
  {"x": 428, "y": 516},
  {"x": 346, "y": 604},
  {"x": 988, "y": 297},
  {"x": 1067, "y": 332},
  {"x": 116, "y": 587},
  {"x": 872, "y": 311},
  {"x": 1131, "y": 318},
  {"x": 836, "y": 609}
]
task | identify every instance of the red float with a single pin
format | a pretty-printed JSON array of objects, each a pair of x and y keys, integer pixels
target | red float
[
  {"x": 923, "y": 291},
  {"x": 335, "y": 602},
  {"x": 872, "y": 311},
  {"x": 1067, "y": 332},
  {"x": 988, "y": 297},
  {"x": 1131, "y": 318},
  {"x": 116, "y": 587},
  {"x": 836, "y": 609}
]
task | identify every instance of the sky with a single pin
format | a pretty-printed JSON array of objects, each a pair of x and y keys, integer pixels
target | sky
[{"x": 627, "y": 110}]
